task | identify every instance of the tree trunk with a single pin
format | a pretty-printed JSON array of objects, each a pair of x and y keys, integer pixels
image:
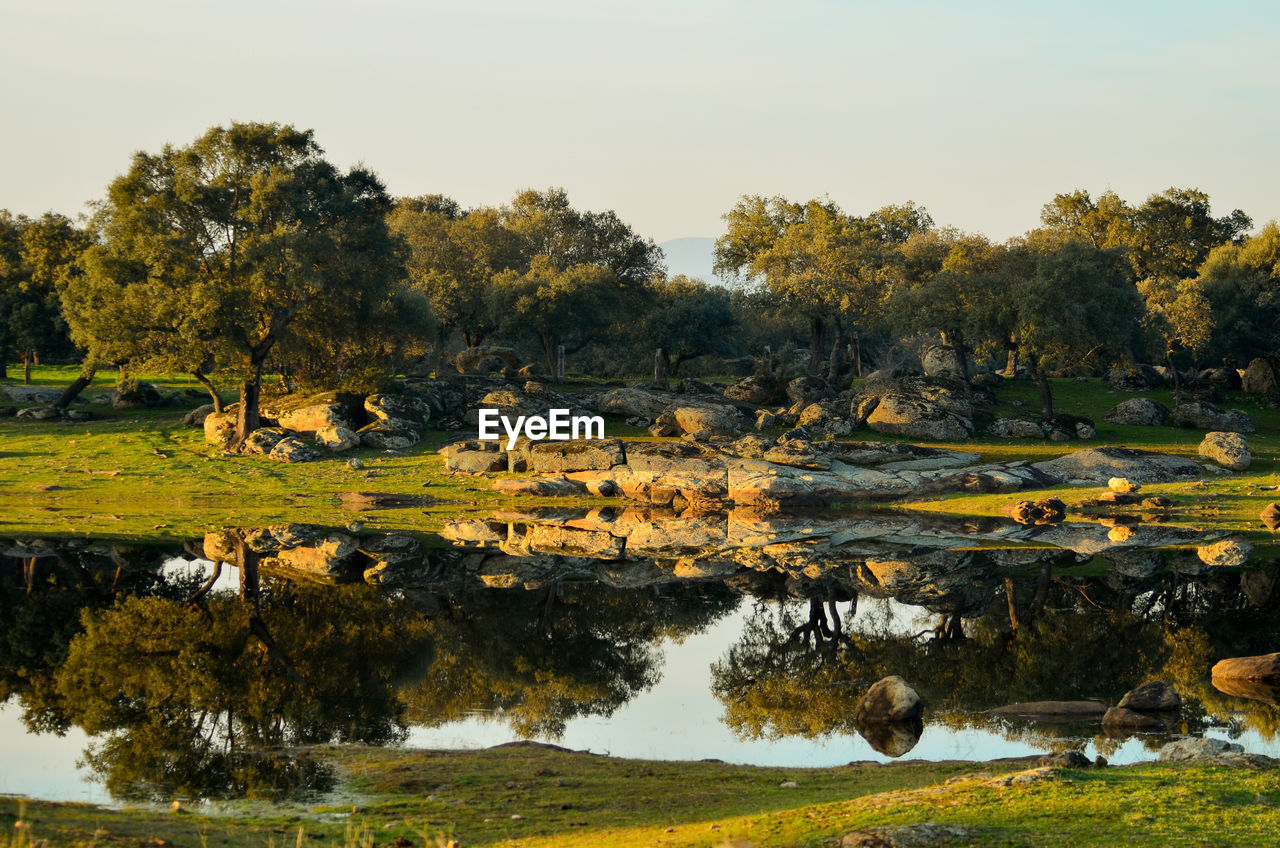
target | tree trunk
[
  {"x": 247, "y": 417},
  {"x": 4, "y": 367},
  {"x": 957, "y": 341},
  {"x": 857, "y": 355},
  {"x": 835, "y": 362},
  {"x": 209, "y": 387},
  {"x": 1011, "y": 597},
  {"x": 1046, "y": 393},
  {"x": 78, "y": 385},
  {"x": 817, "y": 334},
  {"x": 27, "y": 358},
  {"x": 1177, "y": 384},
  {"x": 1011, "y": 363},
  {"x": 659, "y": 366}
]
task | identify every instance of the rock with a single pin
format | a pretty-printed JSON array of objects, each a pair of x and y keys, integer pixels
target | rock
[
  {"x": 806, "y": 390},
  {"x": 765, "y": 419},
  {"x": 1122, "y": 721},
  {"x": 665, "y": 425},
  {"x": 533, "y": 369},
  {"x": 1197, "y": 750},
  {"x": 941, "y": 361},
  {"x": 1014, "y": 428},
  {"x": 1053, "y": 710},
  {"x": 1254, "y": 690},
  {"x": 986, "y": 380},
  {"x": 355, "y": 464},
  {"x": 1155, "y": 695},
  {"x": 1201, "y": 415},
  {"x": 1086, "y": 431},
  {"x": 1135, "y": 379},
  {"x": 308, "y": 415},
  {"x": 262, "y": 440},
  {"x": 398, "y": 411},
  {"x": 1229, "y": 553},
  {"x": 891, "y": 738},
  {"x": 544, "y": 487},
  {"x": 1271, "y": 516},
  {"x": 924, "y": 835},
  {"x": 485, "y": 359},
  {"x": 134, "y": 395},
  {"x": 919, "y": 419},
  {"x": 576, "y": 455},
  {"x": 390, "y": 434},
  {"x": 1227, "y": 379},
  {"x": 196, "y": 417},
  {"x": 31, "y": 394},
  {"x": 1064, "y": 759},
  {"x": 1120, "y": 484},
  {"x": 1262, "y": 377},
  {"x": 337, "y": 439},
  {"x": 1138, "y": 412},
  {"x": 1045, "y": 511},
  {"x": 633, "y": 402},
  {"x": 1098, "y": 465},
  {"x": 889, "y": 700},
  {"x": 220, "y": 428},
  {"x": 754, "y": 390},
  {"x": 1264, "y": 668},
  {"x": 1230, "y": 450},
  {"x": 330, "y": 556},
  {"x": 290, "y": 449},
  {"x": 476, "y": 462},
  {"x": 40, "y": 413},
  {"x": 1121, "y": 533},
  {"x": 719, "y": 420}
]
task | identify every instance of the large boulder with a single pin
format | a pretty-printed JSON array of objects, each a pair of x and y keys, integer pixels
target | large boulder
[
  {"x": 719, "y": 420},
  {"x": 290, "y": 449},
  {"x": 476, "y": 462},
  {"x": 754, "y": 389},
  {"x": 1201, "y": 415},
  {"x": 390, "y": 435},
  {"x": 575, "y": 455},
  {"x": 307, "y": 415},
  {"x": 196, "y": 417},
  {"x": 633, "y": 403},
  {"x": 1262, "y": 377},
  {"x": 135, "y": 395},
  {"x": 31, "y": 394},
  {"x": 220, "y": 428},
  {"x": 1228, "y": 553},
  {"x": 485, "y": 359},
  {"x": 806, "y": 390},
  {"x": 1015, "y": 428},
  {"x": 394, "y": 409},
  {"x": 262, "y": 441},
  {"x": 1098, "y": 465},
  {"x": 918, "y": 419},
  {"x": 889, "y": 700},
  {"x": 1156, "y": 695},
  {"x": 941, "y": 361},
  {"x": 1221, "y": 378},
  {"x": 1264, "y": 668},
  {"x": 1121, "y": 721},
  {"x": 1138, "y": 412},
  {"x": 337, "y": 439},
  {"x": 1230, "y": 450}
]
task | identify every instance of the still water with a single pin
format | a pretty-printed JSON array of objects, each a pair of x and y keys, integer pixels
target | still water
[{"x": 140, "y": 671}]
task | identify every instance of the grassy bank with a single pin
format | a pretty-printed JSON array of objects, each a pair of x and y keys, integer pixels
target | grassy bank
[{"x": 533, "y": 796}]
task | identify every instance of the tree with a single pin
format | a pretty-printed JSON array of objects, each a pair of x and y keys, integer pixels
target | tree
[
  {"x": 1242, "y": 284},
  {"x": 221, "y": 250},
  {"x": 1178, "y": 313},
  {"x": 1066, "y": 304},
  {"x": 453, "y": 256},
  {"x": 1174, "y": 232},
  {"x": 686, "y": 318},
  {"x": 36, "y": 257}
]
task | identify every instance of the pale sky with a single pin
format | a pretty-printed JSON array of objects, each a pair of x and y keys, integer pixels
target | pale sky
[{"x": 668, "y": 111}]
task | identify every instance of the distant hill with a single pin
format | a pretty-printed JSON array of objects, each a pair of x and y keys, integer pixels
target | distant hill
[{"x": 693, "y": 257}]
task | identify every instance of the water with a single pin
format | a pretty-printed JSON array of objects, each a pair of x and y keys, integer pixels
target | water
[{"x": 742, "y": 638}]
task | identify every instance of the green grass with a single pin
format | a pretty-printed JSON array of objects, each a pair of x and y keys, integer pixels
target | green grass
[{"x": 531, "y": 796}]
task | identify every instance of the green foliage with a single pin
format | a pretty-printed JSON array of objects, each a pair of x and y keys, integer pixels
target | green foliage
[
  {"x": 1242, "y": 284},
  {"x": 37, "y": 257},
  {"x": 686, "y": 318}
]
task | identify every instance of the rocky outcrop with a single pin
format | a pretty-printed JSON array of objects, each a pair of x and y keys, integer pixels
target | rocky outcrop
[
  {"x": 1214, "y": 752},
  {"x": 1138, "y": 412},
  {"x": 576, "y": 455},
  {"x": 1014, "y": 428},
  {"x": 918, "y": 419},
  {"x": 1156, "y": 695},
  {"x": 1097, "y": 465},
  {"x": 306, "y": 415},
  {"x": 1201, "y": 415},
  {"x": 1264, "y": 668},
  {"x": 1262, "y": 377},
  {"x": 889, "y": 700},
  {"x": 1230, "y": 450}
]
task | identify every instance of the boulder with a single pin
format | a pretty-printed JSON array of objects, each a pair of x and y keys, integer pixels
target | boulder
[
  {"x": 307, "y": 415},
  {"x": 1271, "y": 516},
  {"x": 1014, "y": 428},
  {"x": 330, "y": 556},
  {"x": 262, "y": 440},
  {"x": 1202, "y": 750},
  {"x": 923, "y": 835},
  {"x": 31, "y": 394},
  {"x": 390, "y": 434},
  {"x": 806, "y": 390},
  {"x": 755, "y": 390},
  {"x": 889, "y": 700},
  {"x": 337, "y": 439},
  {"x": 1134, "y": 379},
  {"x": 1201, "y": 415},
  {"x": 719, "y": 420},
  {"x": 1229, "y": 553},
  {"x": 1098, "y": 465},
  {"x": 1227, "y": 379},
  {"x": 485, "y": 359},
  {"x": 395, "y": 409},
  {"x": 1123, "y": 721},
  {"x": 134, "y": 395},
  {"x": 1262, "y": 377},
  {"x": 1044, "y": 511},
  {"x": 196, "y": 417},
  {"x": 576, "y": 455},
  {"x": 476, "y": 462},
  {"x": 1053, "y": 710},
  {"x": 1230, "y": 450},
  {"x": 40, "y": 413},
  {"x": 1155, "y": 696},
  {"x": 1138, "y": 412},
  {"x": 1264, "y": 668},
  {"x": 290, "y": 449},
  {"x": 918, "y": 419},
  {"x": 629, "y": 403},
  {"x": 220, "y": 428},
  {"x": 941, "y": 361},
  {"x": 1122, "y": 485},
  {"x": 891, "y": 738}
]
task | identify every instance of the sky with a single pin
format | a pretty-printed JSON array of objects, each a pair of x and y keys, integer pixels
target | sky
[{"x": 664, "y": 111}]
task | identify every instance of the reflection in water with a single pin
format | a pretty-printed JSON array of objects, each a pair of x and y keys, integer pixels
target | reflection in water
[{"x": 539, "y": 619}]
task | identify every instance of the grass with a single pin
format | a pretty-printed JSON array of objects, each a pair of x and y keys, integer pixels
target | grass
[{"x": 536, "y": 796}]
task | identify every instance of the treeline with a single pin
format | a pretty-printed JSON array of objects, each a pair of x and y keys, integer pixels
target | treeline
[{"x": 246, "y": 252}]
